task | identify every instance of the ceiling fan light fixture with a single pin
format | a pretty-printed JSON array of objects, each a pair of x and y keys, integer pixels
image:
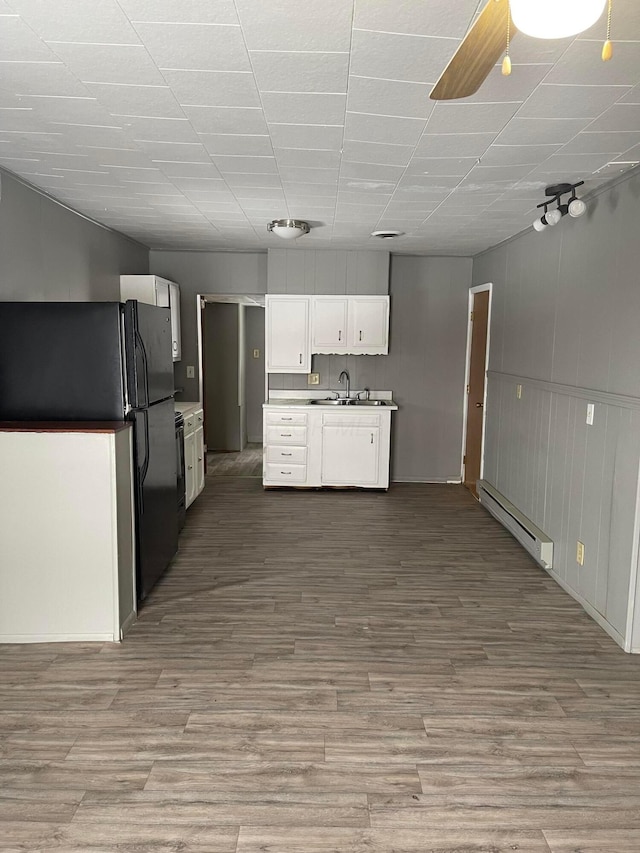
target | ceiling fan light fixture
[
  {"x": 555, "y": 19},
  {"x": 288, "y": 229}
]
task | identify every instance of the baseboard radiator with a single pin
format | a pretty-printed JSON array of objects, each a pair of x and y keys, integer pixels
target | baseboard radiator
[{"x": 534, "y": 540}]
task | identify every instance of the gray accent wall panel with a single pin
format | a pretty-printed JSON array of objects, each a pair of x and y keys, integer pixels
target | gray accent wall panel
[
  {"x": 49, "y": 253},
  {"x": 205, "y": 272},
  {"x": 565, "y": 315},
  {"x": 325, "y": 271},
  {"x": 254, "y": 374}
]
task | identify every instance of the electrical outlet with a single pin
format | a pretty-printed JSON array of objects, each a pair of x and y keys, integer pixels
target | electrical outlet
[
  {"x": 256, "y": 353},
  {"x": 519, "y": 391},
  {"x": 191, "y": 372},
  {"x": 580, "y": 553},
  {"x": 313, "y": 379},
  {"x": 590, "y": 412}
]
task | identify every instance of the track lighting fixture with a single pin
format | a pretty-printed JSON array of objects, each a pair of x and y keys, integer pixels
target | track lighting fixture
[{"x": 574, "y": 207}]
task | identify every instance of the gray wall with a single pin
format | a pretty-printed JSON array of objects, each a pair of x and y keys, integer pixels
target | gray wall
[
  {"x": 254, "y": 371},
  {"x": 48, "y": 253},
  {"x": 205, "y": 272},
  {"x": 564, "y": 325},
  {"x": 426, "y": 363}
]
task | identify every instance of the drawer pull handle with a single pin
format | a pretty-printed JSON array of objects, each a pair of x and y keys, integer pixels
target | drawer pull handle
[
  {"x": 190, "y": 467},
  {"x": 286, "y": 454},
  {"x": 286, "y": 473},
  {"x": 371, "y": 438},
  {"x": 285, "y": 435},
  {"x": 339, "y": 334},
  {"x": 300, "y": 358},
  {"x": 361, "y": 334},
  {"x": 286, "y": 419}
]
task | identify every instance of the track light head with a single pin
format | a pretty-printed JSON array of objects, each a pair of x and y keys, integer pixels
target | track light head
[
  {"x": 553, "y": 217},
  {"x": 577, "y": 207},
  {"x": 540, "y": 224}
]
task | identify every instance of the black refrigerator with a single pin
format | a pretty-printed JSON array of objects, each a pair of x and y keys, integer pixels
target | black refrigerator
[{"x": 102, "y": 361}]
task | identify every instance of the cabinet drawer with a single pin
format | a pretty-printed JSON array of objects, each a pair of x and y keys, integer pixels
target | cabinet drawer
[
  {"x": 199, "y": 417},
  {"x": 286, "y": 473},
  {"x": 351, "y": 419},
  {"x": 287, "y": 435},
  {"x": 299, "y": 418},
  {"x": 287, "y": 455},
  {"x": 190, "y": 423}
]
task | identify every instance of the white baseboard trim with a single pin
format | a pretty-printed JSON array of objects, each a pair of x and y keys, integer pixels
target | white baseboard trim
[
  {"x": 254, "y": 439},
  {"x": 441, "y": 480},
  {"x": 58, "y": 638}
]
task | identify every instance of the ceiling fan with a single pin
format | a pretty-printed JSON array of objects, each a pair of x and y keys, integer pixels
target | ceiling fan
[{"x": 500, "y": 20}]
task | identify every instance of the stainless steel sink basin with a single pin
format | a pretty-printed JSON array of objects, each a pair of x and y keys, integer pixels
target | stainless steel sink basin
[{"x": 347, "y": 402}]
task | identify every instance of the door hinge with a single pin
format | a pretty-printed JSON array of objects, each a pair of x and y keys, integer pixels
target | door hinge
[
  {"x": 464, "y": 460},
  {"x": 468, "y": 388},
  {"x": 471, "y": 318}
]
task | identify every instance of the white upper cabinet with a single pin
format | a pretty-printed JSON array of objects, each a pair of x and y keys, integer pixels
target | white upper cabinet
[
  {"x": 357, "y": 325},
  {"x": 369, "y": 325},
  {"x": 154, "y": 290},
  {"x": 288, "y": 334},
  {"x": 329, "y": 324}
]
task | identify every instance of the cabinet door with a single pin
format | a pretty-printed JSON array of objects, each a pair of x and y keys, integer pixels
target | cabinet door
[
  {"x": 288, "y": 338},
  {"x": 369, "y": 325},
  {"x": 190, "y": 467},
  {"x": 329, "y": 325},
  {"x": 350, "y": 455},
  {"x": 199, "y": 460},
  {"x": 163, "y": 298},
  {"x": 176, "y": 337}
]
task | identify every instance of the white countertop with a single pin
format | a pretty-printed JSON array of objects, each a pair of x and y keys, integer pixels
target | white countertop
[
  {"x": 304, "y": 403},
  {"x": 187, "y": 408}
]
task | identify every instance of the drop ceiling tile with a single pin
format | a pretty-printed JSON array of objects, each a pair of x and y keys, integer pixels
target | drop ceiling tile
[
  {"x": 186, "y": 11},
  {"x": 72, "y": 110},
  {"x": 302, "y": 157},
  {"x": 375, "y": 128},
  {"x": 315, "y": 191},
  {"x": 454, "y": 144},
  {"x": 306, "y": 136},
  {"x": 632, "y": 96},
  {"x": 159, "y": 129},
  {"x": 528, "y": 50},
  {"x": 528, "y": 131},
  {"x": 198, "y": 47},
  {"x": 300, "y": 72},
  {"x": 382, "y": 188},
  {"x": 451, "y": 166},
  {"x": 126, "y": 100},
  {"x": 46, "y": 78},
  {"x": 618, "y": 117},
  {"x": 271, "y": 195},
  {"x": 581, "y": 65},
  {"x": 598, "y": 143},
  {"x": 372, "y": 152},
  {"x": 493, "y": 174},
  {"x": 216, "y": 144},
  {"x": 461, "y": 117},
  {"x": 213, "y": 184},
  {"x": 245, "y": 165},
  {"x": 89, "y": 21},
  {"x": 227, "y": 120},
  {"x": 190, "y": 152},
  {"x": 18, "y": 43},
  {"x": 436, "y": 18},
  {"x": 213, "y": 88},
  {"x": 265, "y": 180},
  {"x": 389, "y": 97},
  {"x": 292, "y": 174},
  {"x": 517, "y": 155},
  {"x": 147, "y": 175},
  {"x": 557, "y": 101},
  {"x": 291, "y": 25},
  {"x": 390, "y": 56},
  {"x": 586, "y": 164},
  {"x": 93, "y": 134},
  {"x": 108, "y": 63},
  {"x": 309, "y": 108},
  {"x": 370, "y": 171},
  {"x": 378, "y": 200}
]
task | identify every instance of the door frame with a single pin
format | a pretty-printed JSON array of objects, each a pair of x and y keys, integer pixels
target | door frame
[{"x": 465, "y": 397}]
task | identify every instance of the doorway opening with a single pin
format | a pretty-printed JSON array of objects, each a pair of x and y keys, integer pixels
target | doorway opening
[
  {"x": 476, "y": 385},
  {"x": 232, "y": 382}
]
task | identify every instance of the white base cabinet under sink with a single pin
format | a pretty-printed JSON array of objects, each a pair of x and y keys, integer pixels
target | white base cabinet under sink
[{"x": 319, "y": 446}]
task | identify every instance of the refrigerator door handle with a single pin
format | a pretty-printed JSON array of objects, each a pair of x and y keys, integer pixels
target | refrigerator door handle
[
  {"x": 145, "y": 464},
  {"x": 145, "y": 366}
]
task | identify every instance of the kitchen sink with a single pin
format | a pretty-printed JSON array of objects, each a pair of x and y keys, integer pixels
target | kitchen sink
[{"x": 347, "y": 402}]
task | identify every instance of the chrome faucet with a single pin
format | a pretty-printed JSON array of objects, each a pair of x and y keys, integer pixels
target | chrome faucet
[{"x": 345, "y": 373}]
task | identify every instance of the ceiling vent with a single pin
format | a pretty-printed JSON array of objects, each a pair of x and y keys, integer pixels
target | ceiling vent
[{"x": 387, "y": 235}]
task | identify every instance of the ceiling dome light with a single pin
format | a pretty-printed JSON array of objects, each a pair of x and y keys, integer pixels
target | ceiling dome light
[
  {"x": 555, "y": 19},
  {"x": 539, "y": 225},
  {"x": 553, "y": 217},
  {"x": 288, "y": 229},
  {"x": 577, "y": 207},
  {"x": 387, "y": 235}
]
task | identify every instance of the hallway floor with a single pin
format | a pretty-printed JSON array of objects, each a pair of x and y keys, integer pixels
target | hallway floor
[
  {"x": 330, "y": 672},
  {"x": 245, "y": 463}
]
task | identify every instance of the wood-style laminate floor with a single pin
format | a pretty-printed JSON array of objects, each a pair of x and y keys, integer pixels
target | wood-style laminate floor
[
  {"x": 330, "y": 672},
  {"x": 245, "y": 463}
]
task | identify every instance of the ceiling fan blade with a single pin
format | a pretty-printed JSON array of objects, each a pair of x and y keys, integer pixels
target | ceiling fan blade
[{"x": 479, "y": 51}]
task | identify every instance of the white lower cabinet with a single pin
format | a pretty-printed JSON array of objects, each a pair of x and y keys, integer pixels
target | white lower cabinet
[
  {"x": 194, "y": 461},
  {"x": 326, "y": 448}
]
